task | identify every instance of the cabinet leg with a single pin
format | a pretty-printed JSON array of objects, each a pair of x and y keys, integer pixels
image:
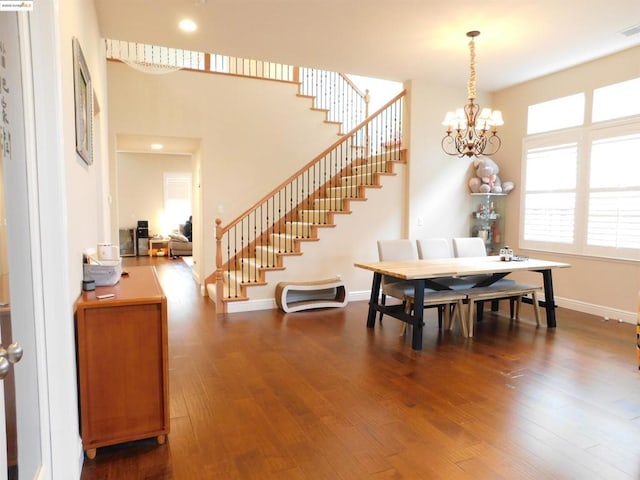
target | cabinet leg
[
  {"x": 161, "y": 439},
  {"x": 91, "y": 453}
]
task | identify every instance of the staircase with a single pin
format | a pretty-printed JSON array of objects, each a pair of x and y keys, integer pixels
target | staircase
[
  {"x": 295, "y": 212},
  {"x": 259, "y": 240}
]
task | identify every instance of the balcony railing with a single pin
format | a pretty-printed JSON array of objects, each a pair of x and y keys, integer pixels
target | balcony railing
[{"x": 332, "y": 91}]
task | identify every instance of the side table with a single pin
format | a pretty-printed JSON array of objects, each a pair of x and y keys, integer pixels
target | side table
[{"x": 157, "y": 245}]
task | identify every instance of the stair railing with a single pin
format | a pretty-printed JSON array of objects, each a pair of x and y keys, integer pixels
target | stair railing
[
  {"x": 376, "y": 139},
  {"x": 335, "y": 92}
]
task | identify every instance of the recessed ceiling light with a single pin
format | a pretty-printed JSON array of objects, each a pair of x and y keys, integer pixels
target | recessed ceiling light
[
  {"x": 187, "y": 25},
  {"x": 157, "y": 146}
]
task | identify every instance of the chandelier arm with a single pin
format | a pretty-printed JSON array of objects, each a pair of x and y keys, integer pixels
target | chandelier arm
[
  {"x": 495, "y": 142},
  {"x": 451, "y": 147}
]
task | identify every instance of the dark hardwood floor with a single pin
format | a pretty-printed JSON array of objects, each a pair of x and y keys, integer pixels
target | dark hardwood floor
[{"x": 316, "y": 395}]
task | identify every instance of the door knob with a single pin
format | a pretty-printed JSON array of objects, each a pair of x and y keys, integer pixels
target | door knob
[{"x": 9, "y": 355}]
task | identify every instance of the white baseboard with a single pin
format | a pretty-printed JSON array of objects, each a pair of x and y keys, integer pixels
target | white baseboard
[
  {"x": 251, "y": 305},
  {"x": 269, "y": 303},
  {"x": 359, "y": 296},
  {"x": 608, "y": 313}
]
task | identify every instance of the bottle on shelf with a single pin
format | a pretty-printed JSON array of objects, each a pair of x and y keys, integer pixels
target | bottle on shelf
[{"x": 488, "y": 219}]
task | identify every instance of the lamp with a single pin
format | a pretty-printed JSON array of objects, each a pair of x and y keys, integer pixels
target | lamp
[{"x": 470, "y": 134}]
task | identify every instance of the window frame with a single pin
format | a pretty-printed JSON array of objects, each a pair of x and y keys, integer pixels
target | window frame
[
  {"x": 547, "y": 140},
  {"x": 584, "y": 136}
]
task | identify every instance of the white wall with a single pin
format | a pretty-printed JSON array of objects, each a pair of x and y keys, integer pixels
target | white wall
[
  {"x": 438, "y": 202},
  {"x": 595, "y": 285},
  {"x": 87, "y": 185},
  {"x": 141, "y": 187}
]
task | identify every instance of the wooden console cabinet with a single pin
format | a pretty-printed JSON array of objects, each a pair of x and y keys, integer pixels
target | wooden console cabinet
[{"x": 123, "y": 361}]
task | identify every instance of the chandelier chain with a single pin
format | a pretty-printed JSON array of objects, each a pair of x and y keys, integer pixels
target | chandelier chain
[{"x": 471, "y": 90}]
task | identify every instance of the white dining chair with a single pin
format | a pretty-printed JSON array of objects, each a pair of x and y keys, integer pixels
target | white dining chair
[
  {"x": 391, "y": 251},
  {"x": 434, "y": 248},
  {"x": 475, "y": 247},
  {"x": 469, "y": 247}
]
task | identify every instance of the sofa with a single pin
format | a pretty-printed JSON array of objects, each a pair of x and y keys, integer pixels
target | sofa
[{"x": 179, "y": 245}]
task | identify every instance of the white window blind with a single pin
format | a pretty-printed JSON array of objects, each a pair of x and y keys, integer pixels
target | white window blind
[
  {"x": 614, "y": 193},
  {"x": 549, "y": 200}
]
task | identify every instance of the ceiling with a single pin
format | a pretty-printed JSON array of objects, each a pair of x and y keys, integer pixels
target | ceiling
[{"x": 390, "y": 39}]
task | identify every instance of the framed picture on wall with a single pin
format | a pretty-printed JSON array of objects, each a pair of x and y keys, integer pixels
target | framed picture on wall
[{"x": 83, "y": 93}]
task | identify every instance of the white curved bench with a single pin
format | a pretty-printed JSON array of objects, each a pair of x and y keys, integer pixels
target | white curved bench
[{"x": 297, "y": 296}]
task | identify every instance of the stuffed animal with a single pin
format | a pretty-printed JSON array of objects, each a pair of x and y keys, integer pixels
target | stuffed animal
[{"x": 487, "y": 179}]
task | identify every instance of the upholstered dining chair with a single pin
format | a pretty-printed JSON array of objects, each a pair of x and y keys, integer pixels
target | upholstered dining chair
[
  {"x": 390, "y": 251},
  {"x": 475, "y": 247},
  {"x": 434, "y": 248},
  {"x": 469, "y": 247},
  {"x": 429, "y": 248}
]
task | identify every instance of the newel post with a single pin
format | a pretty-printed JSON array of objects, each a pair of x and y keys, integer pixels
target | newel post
[{"x": 219, "y": 279}]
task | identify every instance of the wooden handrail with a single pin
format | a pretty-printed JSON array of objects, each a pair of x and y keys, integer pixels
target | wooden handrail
[
  {"x": 311, "y": 163},
  {"x": 353, "y": 85}
]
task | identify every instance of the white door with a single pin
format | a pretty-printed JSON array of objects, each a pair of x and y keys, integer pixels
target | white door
[{"x": 18, "y": 306}]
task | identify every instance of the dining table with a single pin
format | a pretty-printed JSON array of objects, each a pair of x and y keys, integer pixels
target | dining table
[{"x": 434, "y": 274}]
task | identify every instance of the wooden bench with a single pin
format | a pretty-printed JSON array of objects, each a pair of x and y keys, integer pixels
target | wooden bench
[
  {"x": 445, "y": 298},
  {"x": 297, "y": 296},
  {"x": 495, "y": 292}
]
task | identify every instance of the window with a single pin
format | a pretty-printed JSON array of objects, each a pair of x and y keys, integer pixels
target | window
[
  {"x": 556, "y": 114},
  {"x": 614, "y": 193},
  {"x": 616, "y": 101},
  {"x": 550, "y": 200},
  {"x": 582, "y": 185},
  {"x": 177, "y": 200}
]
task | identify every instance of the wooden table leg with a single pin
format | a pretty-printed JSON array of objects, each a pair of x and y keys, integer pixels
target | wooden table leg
[
  {"x": 373, "y": 300},
  {"x": 91, "y": 453}
]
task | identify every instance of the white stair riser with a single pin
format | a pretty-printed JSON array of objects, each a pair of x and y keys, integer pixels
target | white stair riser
[
  {"x": 283, "y": 243},
  {"x": 383, "y": 157},
  {"x": 370, "y": 168},
  {"x": 296, "y": 229},
  {"x": 266, "y": 256},
  {"x": 313, "y": 216},
  {"x": 343, "y": 192},
  {"x": 333, "y": 204},
  {"x": 363, "y": 179},
  {"x": 249, "y": 273}
]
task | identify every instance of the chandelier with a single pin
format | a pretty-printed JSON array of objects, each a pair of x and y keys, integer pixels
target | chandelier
[{"x": 470, "y": 134}]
